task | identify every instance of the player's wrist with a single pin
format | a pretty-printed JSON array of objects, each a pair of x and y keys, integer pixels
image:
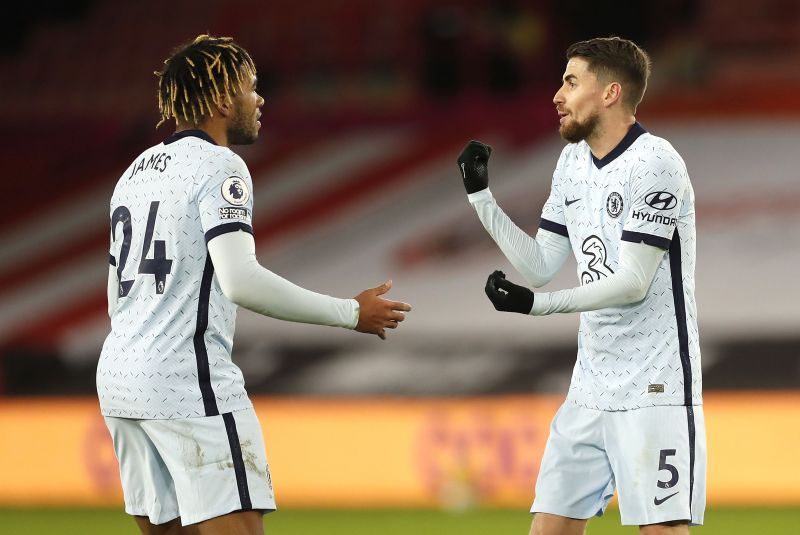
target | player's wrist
[
  {"x": 355, "y": 313},
  {"x": 541, "y": 304},
  {"x": 480, "y": 196}
]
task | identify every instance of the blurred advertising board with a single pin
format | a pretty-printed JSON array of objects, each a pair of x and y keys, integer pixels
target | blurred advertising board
[{"x": 386, "y": 452}]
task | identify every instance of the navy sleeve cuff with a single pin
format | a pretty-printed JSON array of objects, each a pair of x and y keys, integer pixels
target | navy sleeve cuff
[
  {"x": 647, "y": 239},
  {"x": 552, "y": 226},
  {"x": 227, "y": 227}
]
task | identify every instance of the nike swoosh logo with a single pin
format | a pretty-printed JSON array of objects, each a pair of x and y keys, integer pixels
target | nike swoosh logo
[
  {"x": 463, "y": 172},
  {"x": 656, "y": 501},
  {"x": 567, "y": 202}
]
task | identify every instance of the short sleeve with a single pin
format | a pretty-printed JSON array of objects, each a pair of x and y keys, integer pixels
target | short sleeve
[
  {"x": 224, "y": 195},
  {"x": 657, "y": 194},
  {"x": 553, "y": 212}
]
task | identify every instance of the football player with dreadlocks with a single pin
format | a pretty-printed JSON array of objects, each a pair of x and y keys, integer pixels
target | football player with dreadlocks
[{"x": 189, "y": 444}]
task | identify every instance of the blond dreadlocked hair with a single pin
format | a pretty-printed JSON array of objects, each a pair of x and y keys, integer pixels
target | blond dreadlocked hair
[{"x": 207, "y": 71}]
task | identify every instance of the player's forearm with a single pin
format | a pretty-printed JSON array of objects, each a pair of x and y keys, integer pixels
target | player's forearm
[
  {"x": 536, "y": 259},
  {"x": 618, "y": 289},
  {"x": 248, "y": 284},
  {"x": 271, "y": 295},
  {"x": 637, "y": 267}
]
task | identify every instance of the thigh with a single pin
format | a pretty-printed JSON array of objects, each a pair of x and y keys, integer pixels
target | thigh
[
  {"x": 172, "y": 527},
  {"x": 547, "y": 524},
  {"x": 218, "y": 464},
  {"x": 575, "y": 478},
  {"x": 658, "y": 457},
  {"x": 239, "y": 523},
  {"x": 667, "y": 528},
  {"x": 147, "y": 485}
]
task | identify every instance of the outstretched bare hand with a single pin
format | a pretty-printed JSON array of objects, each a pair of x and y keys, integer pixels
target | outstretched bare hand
[{"x": 377, "y": 314}]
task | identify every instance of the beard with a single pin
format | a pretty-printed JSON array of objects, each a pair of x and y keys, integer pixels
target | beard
[
  {"x": 242, "y": 130},
  {"x": 575, "y": 131}
]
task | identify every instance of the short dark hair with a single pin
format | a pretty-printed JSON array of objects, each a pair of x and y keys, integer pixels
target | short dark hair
[
  {"x": 616, "y": 59},
  {"x": 206, "y": 71}
]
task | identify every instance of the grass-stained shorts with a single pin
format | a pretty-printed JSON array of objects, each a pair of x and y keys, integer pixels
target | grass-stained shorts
[{"x": 192, "y": 468}]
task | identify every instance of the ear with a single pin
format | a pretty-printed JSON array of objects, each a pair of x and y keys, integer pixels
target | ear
[
  {"x": 612, "y": 94},
  {"x": 225, "y": 107}
]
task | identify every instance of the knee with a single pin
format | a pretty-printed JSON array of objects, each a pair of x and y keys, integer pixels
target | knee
[{"x": 680, "y": 527}]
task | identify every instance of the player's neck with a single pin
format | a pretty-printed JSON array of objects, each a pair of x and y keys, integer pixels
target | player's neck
[
  {"x": 608, "y": 135},
  {"x": 216, "y": 130}
]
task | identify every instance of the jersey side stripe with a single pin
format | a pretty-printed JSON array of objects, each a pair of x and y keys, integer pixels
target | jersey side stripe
[
  {"x": 201, "y": 353},
  {"x": 227, "y": 227},
  {"x": 680, "y": 315},
  {"x": 238, "y": 462},
  {"x": 552, "y": 226}
]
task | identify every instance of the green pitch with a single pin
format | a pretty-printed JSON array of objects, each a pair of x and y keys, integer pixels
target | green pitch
[{"x": 301, "y": 522}]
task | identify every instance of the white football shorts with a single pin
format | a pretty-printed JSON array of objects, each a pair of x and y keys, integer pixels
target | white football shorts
[
  {"x": 192, "y": 468},
  {"x": 654, "y": 456}
]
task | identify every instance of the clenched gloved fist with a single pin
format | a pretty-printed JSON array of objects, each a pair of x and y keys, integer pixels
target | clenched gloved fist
[
  {"x": 507, "y": 296},
  {"x": 474, "y": 165}
]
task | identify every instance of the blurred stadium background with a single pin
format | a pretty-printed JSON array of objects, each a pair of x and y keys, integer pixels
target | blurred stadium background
[{"x": 368, "y": 104}]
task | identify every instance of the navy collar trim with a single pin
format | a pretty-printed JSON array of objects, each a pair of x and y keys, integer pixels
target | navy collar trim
[
  {"x": 189, "y": 133},
  {"x": 633, "y": 134}
]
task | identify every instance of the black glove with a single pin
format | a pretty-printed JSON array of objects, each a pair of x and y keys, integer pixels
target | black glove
[
  {"x": 507, "y": 296},
  {"x": 474, "y": 165}
]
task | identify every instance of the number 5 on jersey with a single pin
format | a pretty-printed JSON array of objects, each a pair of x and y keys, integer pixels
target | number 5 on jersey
[{"x": 159, "y": 266}]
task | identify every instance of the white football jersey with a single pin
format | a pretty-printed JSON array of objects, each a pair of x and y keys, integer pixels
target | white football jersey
[
  {"x": 647, "y": 353},
  {"x": 169, "y": 351}
]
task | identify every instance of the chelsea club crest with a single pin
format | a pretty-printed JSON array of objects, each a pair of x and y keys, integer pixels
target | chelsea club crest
[{"x": 614, "y": 204}]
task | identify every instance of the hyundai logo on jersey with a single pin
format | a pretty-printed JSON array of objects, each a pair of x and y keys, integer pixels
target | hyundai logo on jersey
[{"x": 661, "y": 200}]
